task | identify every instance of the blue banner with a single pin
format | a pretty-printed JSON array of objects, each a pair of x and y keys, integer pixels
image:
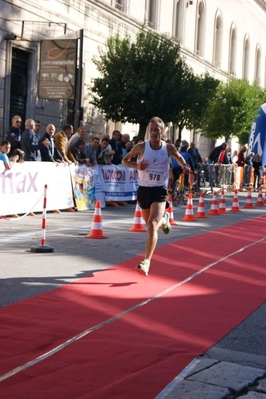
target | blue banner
[{"x": 257, "y": 136}]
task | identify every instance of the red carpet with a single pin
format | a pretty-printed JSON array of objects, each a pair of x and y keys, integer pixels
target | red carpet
[{"x": 134, "y": 355}]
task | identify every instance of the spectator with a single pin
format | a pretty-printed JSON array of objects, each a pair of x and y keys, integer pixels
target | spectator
[
  {"x": 241, "y": 158},
  {"x": 214, "y": 159},
  {"x": 108, "y": 157},
  {"x": 50, "y": 153},
  {"x": 126, "y": 144},
  {"x": 5, "y": 147},
  {"x": 30, "y": 142},
  {"x": 80, "y": 134},
  {"x": 37, "y": 126},
  {"x": 20, "y": 155},
  {"x": 224, "y": 176},
  {"x": 257, "y": 165},
  {"x": 75, "y": 151},
  {"x": 234, "y": 157},
  {"x": 89, "y": 150},
  {"x": 177, "y": 144},
  {"x": 103, "y": 153},
  {"x": 115, "y": 143},
  {"x": 14, "y": 134},
  {"x": 177, "y": 169},
  {"x": 194, "y": 152},
  {"x": 61, "y": 142}
]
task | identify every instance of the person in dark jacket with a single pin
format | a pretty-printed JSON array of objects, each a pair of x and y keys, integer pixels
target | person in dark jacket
[
  {"x": 30, "y": 142},
  {"x": 50, "y": 153},
  {"x": 216, "y": 157},
  {"x": 14, "y": 134},
  {"x": 116, "y": 145}
]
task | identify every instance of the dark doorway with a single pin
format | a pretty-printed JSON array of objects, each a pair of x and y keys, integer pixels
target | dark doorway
[{"x": 19, "y": 84}]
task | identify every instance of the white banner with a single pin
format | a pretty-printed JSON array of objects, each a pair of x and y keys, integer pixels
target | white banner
[{"x": 22, "y": 187}]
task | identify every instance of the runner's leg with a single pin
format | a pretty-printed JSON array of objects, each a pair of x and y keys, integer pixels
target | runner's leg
[{"x": 153, "y": 218}]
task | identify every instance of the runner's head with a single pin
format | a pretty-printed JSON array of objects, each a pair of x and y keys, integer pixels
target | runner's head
[{"x": 156, "y": 128}]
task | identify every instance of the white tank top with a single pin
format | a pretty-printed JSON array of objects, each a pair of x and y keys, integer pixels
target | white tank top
[{"x": 157, "y": 172}]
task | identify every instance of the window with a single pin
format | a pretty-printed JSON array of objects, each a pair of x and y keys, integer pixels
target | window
[
  {"x": 199, "y": 28},
  {"x": 120, "y": 5},
  {"x": 151, "y": 13},
  {"x": 245, "y": 58},
  {"x": 178, "y": 23},
  {"x": 217, "y": 48},
  {"x": 232, "y": 51},
  {"x": 257, "y": 64}
]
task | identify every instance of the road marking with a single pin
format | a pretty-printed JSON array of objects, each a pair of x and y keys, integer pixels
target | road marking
[{"x": 120, "y": 315}]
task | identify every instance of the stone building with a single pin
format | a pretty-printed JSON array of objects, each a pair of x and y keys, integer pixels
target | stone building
[{"x": 222, "y": 37}]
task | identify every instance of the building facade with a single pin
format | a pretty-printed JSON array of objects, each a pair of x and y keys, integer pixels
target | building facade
[{"x": 222, "y": 37}]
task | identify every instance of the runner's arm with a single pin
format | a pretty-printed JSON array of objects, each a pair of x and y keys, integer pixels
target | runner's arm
[{"x": 137, "y": 150}]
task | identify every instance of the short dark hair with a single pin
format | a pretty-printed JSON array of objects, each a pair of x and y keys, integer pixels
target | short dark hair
[
  {"x": 67, "y": 126},
  {"x": 80, "y": 142},
  {"x": 5, "y": 142}
]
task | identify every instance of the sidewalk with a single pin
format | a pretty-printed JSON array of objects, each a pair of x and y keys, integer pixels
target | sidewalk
[{"x": 234, "y": 368}]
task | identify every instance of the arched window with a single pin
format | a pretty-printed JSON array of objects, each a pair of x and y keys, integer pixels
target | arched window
[
  {"x": 217, "y": 47},
  {"x": 152, "y": 13},
  {"x": 257, "y": 65},
  {"x": 199, "y": 27},
  {"x": 178, "y": 23},
  {"x": 246, "y": 58},
  {"x": 120, "y": 5},
  {"x": 232, "y": 51}
]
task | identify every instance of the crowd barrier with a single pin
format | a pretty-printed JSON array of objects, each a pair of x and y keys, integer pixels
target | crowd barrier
[
  {"x": 233, "y": 174},
  {"x": 22, "y": 187}
]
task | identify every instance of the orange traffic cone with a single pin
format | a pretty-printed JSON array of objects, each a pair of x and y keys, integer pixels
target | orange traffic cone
[
  {"x": 96, "y": 228},
  {"x": 260, "y": 199},
  {"x": 138, "y": 221},
  {"x": 249, "y": 203},
  {"x": 189, "y": 214},
  {"x": 214, "y": 205},
  {"x": 201, "y": 209},
  {"x": 235, "y": 205},
  {"x": 222, "y": 206},
  {"x": 170, "y": 211}
]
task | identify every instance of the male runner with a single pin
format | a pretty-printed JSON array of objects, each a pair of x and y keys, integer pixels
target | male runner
[{"x": 153, "y": 171}]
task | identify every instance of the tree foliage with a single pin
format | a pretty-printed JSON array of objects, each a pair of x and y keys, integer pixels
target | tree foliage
[
  {"x": 232, "y": 111},
  {"x": 141, "y": 79},
  {"x": 200, "y": 91}
]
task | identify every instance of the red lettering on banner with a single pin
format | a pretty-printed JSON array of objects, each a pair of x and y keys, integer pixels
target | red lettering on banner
[
  {"x": 133, "y": 175},
  {"x": 20, "y": 183},
  {"x": 114, "y": 175}
]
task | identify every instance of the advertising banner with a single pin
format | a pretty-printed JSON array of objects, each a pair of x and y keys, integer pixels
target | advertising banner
[
  {"x": 257, "y": 136},
  {"x": 58, "y": 60},
  {"x": 118, "y": 183},
  {"x": 22, "y": 187}
]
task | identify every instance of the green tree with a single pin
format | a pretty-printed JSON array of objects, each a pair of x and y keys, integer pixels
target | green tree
[
  {"x": 200, "y": 91},
  {"x": 232, "y": 111},
  {"x": 141, "y": 79}
]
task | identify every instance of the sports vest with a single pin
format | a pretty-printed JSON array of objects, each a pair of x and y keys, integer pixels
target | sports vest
[{"x": 156, "y": 173}]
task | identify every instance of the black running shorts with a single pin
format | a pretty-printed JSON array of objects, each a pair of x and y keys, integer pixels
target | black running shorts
[{"x": 148, "y": 195}]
